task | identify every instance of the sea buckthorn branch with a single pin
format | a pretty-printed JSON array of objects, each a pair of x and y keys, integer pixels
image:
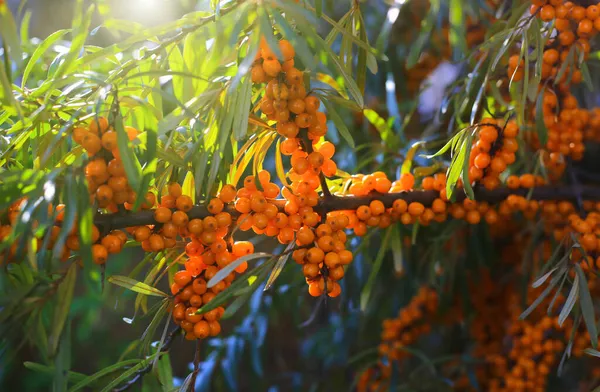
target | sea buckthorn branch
[
  {"x": 146, "y": 369},
  {"x": 341, "y": 203}
]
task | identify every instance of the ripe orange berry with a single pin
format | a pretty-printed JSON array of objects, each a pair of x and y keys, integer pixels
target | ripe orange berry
[
  {"x": 174, "y": 189},
  {"x": 577, "y": 13},
  {"x": 592, "y": 12},
  {"x": 297, "y": 106},
  {"x": 182, "y": 278},
  {"x": 547, "y": 13},
  {"x": 91, "y": 143},
  {"x": 376, "y": 207},
  {"x": 363, "y": 213},
  {"x": 513, "y": 182},
  {"x": 400, "y": 206},
  {"x": 527, "y": 180},
  {"x": 99, "y": 125},
  {"x": 272, "y": 67},
  {"x": 227, "y": 193},
  {"x": 550, "y": 56},
  {"x": 488, "y": 134},
  {"x": 482, "y": 160},
  {"x": 473, "y": 217},
  {"x": 184, "y": 203},
  {"x": 294, "y": 77},
  {"x": 112, "y": 243},
  {"x": 201, "y": 329},
  {"x": 258, "y": 75},
  {"x": 162, "y": 214},
  {"x": 287, "y": 50},
  {"x": 305, "y": 235},
  {"x": 416, "y": 209},
  {"x": 109, "y": 140},
  {"x": 407, "y": 181},
  {"x": 156, "y": 242},
  {"x": 180, "y": 219},
  {"x": 99, "y": 254}
]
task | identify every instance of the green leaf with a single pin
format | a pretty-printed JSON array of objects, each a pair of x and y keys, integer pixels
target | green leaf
[
  {"x": 9, "y": 34},
  {"x": 592, "y": 352},
  {"x": 242, "y": 285},
  {"x": 87, "y": 380},
  {"x": 587, "y": 78},
  {"x": 242, "y": 108},
  {"x": 279, "y": 169},
  {"x": 64, "y": 297},
  {"x": 553, "y": 282},
  {"x": 165, "y": 371},
  {"x": 458, "y": 33},
  {"x": 136, "y": 286},
  {"x": 127, "y": 375},
  {"x": 417, "y": 47},
  {"x": 397, "y": 250},
  {"x": 50, "y": 371},
  {"x": 570, "y": 302},
  {"x": 587, "y": 307},
  {"x": 540, "y": 125},
  {"x": 457, "y": 165},
  {"x": 465, "y": 169},
  {"x": 339, "y": 123},
  {"x": 188, "y": 188},
  {"x": 222, "y": 273},
  {"x": 39, "y": 52},
  {"x": 366, "y": 292},
  {"x": 331, "y": 60},
  {"x": 281, "y": 261},
  {"x": 132, "y": 166},
  {"x": 236, "y": 305},
  {"x": 80, "y": 31},
  {"x": 63, "y": 360}
]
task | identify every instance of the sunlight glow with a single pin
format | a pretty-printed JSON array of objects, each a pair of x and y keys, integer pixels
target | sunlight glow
[{"x": 393, "y": 14}]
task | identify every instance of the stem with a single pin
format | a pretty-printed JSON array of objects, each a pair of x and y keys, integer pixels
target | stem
[
  {"x": 337, "y": 203},
  {"x": 196, "y": 366}
]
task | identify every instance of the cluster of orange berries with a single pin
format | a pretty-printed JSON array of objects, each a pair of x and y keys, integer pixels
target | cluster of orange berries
[
  {"x": 569, "y": 128},
  {"x": 570, "y": 125},
  {"x": 209, "y": 250},
  {"x": 323, "y": 255},
  {"x": 191, "y": 293},
  {"x": 493, "y": 152},
  {"x": 575, "y": 24},
  {"x": 105, "y": 173},
  {"x": 413, "y": 321}
]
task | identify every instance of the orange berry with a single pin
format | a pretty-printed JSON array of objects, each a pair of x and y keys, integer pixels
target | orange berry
[
  {"x": 407, "y": 181},
  {"x": 482, "y": 160},
  {"x": 272, "y": 67},
  {"x": 157, "y": 243},
  {"x": 112, "y": 243},
  {"x": 287, "y": 50},
  {"x": 547, "y": 13},
  {"x": 99, "y": 125},
  {"x": 180, "y": 219},
  {"x": 109, "y": 140},
  {"x": 162, "y": 215},
  {"x": 416, "y": 209},
  {"x": 99, "y": 254},
  {"x": 377, "y": 207},
  {"x": 184, "y": 203},
  {"x": 488, "y": 134}
]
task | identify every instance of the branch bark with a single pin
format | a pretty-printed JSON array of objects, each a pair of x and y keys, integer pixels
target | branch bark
[{"x": 336, "y": 203}]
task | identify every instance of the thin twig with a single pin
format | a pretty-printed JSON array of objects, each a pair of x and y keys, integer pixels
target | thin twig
[
  {"x": 192, "y": 387},
  {"x": 146, "y": 369}
]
